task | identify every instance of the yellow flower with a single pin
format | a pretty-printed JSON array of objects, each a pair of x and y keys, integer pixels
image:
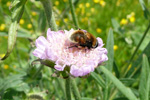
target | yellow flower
[
  {"x": 129, "y": 67},
  {"x": 2, "y": 27},
  {"x": 87, "y": 5},
  {"x": 33, "y": 13},
  {"x": 82, "y": 20},
  {"x": 115, "y": 47},
  {"x": 2, "y": 55},
  {"x": 6, "y": 37},
  {"x": 65, "y": 0},
  {"x": 132, "y": 13},
  {"x": 29, "y": 26},
  {"x": 8, "y": 3},
  {"x": 77, "y": 10},
  {"x": 82, "y": 11},
  {"x": 56, "y": 3},
  {"x": 58, "y": 22},
  {"x": 102, "y": 3},
  {"x": 6, "y": 66},
  {"x": 88, "y": 14},
  {"x": 124, "y": 21},
  {"x": 96, "y": 1},
  {"x": 66, "y": 20},
  {"x": 86, "y": 18},
  {"x": 21, "y": 21},
  {"x": 118, "y": 3},
  {"x": 81, "y": 5},
  {"x": 98, "y": 30},
  {"x": 132, "y": 19},
  {"x": 14, "y": 66},
  {"x": 92, "y": 10}
]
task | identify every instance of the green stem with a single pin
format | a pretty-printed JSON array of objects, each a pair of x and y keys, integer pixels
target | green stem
[
  {"x": 37, "y": 73},
  {"x": 137, "y": 48},
  {"x": 68, "y": 89},
  {"x": 75, "y": 90},
  {"x": 73, "y": 14},
  {"x": 49, "y": 14}
]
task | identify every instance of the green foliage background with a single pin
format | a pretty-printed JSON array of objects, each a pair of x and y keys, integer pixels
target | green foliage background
[{"x": 20, "y": 80}]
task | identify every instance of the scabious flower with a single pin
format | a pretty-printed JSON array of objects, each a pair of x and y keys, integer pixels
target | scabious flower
[{"x": 57, "y": 48}]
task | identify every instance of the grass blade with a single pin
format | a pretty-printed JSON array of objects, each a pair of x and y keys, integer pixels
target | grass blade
[
  {"x": 124, "y": 90},
  {"x": 109, "y": 65},
  {"x": 144, "y": 80},
  {"x": 109, "y": 46},
  {"x": 98, "y": 79}
]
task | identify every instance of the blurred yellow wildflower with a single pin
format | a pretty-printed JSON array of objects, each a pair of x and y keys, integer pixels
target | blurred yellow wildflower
[
  {"x": 14, "y": 66},
  {"x": 115, "y": 47},
  {"x": 80, "y": 5},
  {"x": 2, "y": 55},
  {"x": 132, "y": 13},
  {"x": 65, "y": 0},
  {"x": 56, "y": 3},
  {"x": 65, "y": 19},
  {"x": 58, "y": 22},
  {"x": 82, "y": 20},
  {"x": 21, "y": 21},
  {"x": 124, "y": 21},
  {"x": 88, "y": 14},
  {"x": 129, "y": 67},
  {"x": 2, "y": 27},
  {"x": 98, "y": 30},
  {"x": 82, "y": 11},
  {"x": 6, "y": 66},
  {"x": 8, "y": 3},
  {"x": 87, "y": 5},
  {"x": 92, "y": 10},
  {"x": 96, "y": 1},
  {"x": 102, "y": 3},
  {"x": 77, "y": 10},
  {"x": 86, "y": 18},
  {"x": 33, "y": 13},
  {"x": 118, "y": 3},
  {"x": 6, "y": 37},
  {"x": 29, "y": 26},
  {"x": 132, "y": 19}
]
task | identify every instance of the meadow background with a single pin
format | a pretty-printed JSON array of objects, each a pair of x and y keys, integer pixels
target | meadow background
[{"x": 127, "y": 20}]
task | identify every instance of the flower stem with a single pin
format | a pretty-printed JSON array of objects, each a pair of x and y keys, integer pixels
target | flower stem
[
  {"x": 137, "y": 48},
  {"x": 49, "y": 14},
  {"x": 73, "y": 14},
  {"x": 75, "y": 90},
  {"x": 68, "y": 89}
]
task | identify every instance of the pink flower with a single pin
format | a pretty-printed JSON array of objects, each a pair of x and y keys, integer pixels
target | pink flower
[{"x": 56, "y": 48}]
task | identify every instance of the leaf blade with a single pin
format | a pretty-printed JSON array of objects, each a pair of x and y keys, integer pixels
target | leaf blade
[{"x": 144, "y": 80}]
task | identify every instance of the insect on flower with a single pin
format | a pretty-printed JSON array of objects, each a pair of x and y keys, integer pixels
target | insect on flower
[
  {"x": 85, "y": 52},
  {"x": 83, "y": 39}
]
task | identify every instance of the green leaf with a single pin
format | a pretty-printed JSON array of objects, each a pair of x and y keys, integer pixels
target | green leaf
[
  {"x": 16, "y": 15},
  {"x": 115, "y": 68},
  {"x": 85, "y": 98},
  {"x": 109, "y": 63},
  {"x": 123, "y": 89},
  {"x": 98, "y": 79},
  {"x": 138, "y": 61},
  {"x": 116, "y": 26},
  {"x": 42, "y": 21},
  {"x": 146, "y": 12},
  {"x": 14, "y": 3},
  {"x": 109, "y": 46},
  {"x": 144, "y": 79},
  {"x": 127, "y": 81}
]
